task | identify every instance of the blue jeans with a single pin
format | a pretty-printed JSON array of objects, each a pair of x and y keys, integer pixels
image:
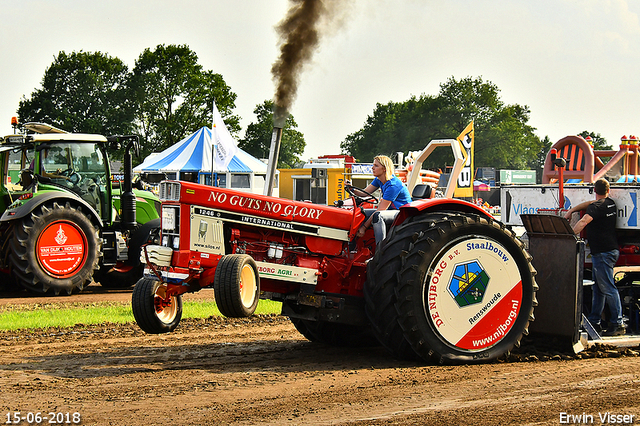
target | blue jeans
[
  {"x": 604, "y": 288},
  {"x": 380, "y": 218}
]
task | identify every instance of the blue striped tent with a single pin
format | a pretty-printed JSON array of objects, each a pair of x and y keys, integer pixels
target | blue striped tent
[{"x": 190, "y": 159}]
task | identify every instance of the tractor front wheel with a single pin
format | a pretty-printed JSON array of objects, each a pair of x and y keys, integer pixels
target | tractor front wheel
[
  {"x": 236, "y": 286},
  {"x": 152, "y": 310}
]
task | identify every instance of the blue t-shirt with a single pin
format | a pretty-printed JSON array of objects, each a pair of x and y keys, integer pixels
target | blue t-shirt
[{"x": 395, "y": 191}]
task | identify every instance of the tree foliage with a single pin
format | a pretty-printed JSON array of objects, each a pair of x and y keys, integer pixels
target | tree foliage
[
  {"x": 503, "y": 139},
  {"x": 537, "y": 163},
  {"x": 257, "y": 139},
  {"x": 164, "y": 98},
  {"x": 599, "y": 142},
  {"x": 83, "y": 92},
  {"x": 175, "y": 96}
]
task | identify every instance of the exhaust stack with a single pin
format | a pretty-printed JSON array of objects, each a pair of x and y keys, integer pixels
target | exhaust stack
[
  {"x": 127, "y": 197},
  {"x": 280, "y": 116}
]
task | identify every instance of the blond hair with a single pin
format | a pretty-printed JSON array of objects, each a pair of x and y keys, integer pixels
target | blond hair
[{"x": 387, "y": 164}]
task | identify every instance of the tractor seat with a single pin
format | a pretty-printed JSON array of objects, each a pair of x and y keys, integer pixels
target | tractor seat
[
  {"x": 421, "y": 191},
  {"x": 26, "y": 178}
]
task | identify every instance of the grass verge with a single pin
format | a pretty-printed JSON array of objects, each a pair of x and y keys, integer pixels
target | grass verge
[{"x": 55, "y": 315}]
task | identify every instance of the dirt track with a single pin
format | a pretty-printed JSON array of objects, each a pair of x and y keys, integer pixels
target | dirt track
[{"x": 261, "y": 371}]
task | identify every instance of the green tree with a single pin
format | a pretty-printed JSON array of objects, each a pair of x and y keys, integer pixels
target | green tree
[
  {"x": 599, "y": 142},
  {"x": 537, "y": 163},
  {"x": 83, "y": 92},
  {"x": 503, "y": 139},
  {"x": 257, "y": 139},
  {"x": 175, "y": 96},
  {"x": 394, "y": 127}
]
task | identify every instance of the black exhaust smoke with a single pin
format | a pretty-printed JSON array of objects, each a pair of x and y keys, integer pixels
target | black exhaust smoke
[
  {"x": 299, "y": 34},
  {"x": 298, "y": 40}
]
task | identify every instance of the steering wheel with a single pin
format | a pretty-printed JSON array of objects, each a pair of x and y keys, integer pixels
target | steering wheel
[
  {"x": 360, "y": 195},
  {"x": 74, "y": 177}
]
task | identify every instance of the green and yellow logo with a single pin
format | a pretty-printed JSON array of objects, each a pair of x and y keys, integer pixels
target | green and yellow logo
[{"x": 468, "y": 283}]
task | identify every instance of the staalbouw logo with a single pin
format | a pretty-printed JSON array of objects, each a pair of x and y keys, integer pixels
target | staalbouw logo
[{"x": 468, "y": 283}]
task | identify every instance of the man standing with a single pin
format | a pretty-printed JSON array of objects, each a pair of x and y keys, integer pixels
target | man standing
[{"x": 600, "y": 223}]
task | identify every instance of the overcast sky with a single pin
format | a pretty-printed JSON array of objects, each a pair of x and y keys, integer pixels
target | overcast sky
[{"x": 575, "y": 63}]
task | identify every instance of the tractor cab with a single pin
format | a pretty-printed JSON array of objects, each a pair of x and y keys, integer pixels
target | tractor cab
[
  {"x": 78, "y": 166},
  {"x": 75, "y": 163}
]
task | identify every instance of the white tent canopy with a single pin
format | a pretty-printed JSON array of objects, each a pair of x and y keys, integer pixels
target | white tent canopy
[{"x": 191, "y": 159}]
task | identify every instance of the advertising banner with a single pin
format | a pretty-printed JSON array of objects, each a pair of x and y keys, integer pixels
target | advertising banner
[{"x": 465, "y": 180}]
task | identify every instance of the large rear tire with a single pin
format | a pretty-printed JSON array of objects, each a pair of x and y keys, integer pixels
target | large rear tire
[
  {"x": 457, "y": 288},
  {"x": 150, "y": 311},
  {"x": 380, "y": 302},
  {"x": 236, "y": 286},
  {"x": 55, "y": 250}
]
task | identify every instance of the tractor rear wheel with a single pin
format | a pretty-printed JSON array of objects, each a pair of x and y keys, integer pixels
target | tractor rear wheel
[
  {"x": 55, "y": 249},
  {"x": 151, "y": 311},
  {"x": 380, "y": 307},
  {"x": 462, "y": 288},
  {"x": 236, "y": 286}
]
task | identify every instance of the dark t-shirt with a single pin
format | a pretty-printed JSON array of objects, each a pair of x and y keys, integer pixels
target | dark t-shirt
[{"x": 601, "y": 231}]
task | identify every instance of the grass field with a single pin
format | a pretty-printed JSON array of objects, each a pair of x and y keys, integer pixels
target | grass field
[{"x": 16, "y": 317}]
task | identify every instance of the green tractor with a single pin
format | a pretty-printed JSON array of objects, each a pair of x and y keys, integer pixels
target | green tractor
[{"x": 64, "y": 221}]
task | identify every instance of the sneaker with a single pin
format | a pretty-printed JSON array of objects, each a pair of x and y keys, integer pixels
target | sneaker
[{"x": 616, "y": 330}]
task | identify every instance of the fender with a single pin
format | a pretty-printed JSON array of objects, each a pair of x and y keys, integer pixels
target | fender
[
  {"x": 438, "y": 204},
  {"x": 32, "y": 204}
]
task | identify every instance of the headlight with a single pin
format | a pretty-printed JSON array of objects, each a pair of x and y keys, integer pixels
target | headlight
[
  {"x": 168, "y": 219},
  {"x": 176, "y": 242}
]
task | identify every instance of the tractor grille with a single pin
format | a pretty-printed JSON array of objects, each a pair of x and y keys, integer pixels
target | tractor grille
[
  {"x": 171, "y": 226},
  {"x": 169, "y": 191}
]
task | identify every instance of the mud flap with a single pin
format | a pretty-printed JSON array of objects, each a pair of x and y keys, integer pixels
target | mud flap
[{"x": 558, "y": 256}]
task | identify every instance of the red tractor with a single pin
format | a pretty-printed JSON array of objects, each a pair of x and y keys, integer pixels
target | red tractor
[{"x": 448, "y": 283}]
